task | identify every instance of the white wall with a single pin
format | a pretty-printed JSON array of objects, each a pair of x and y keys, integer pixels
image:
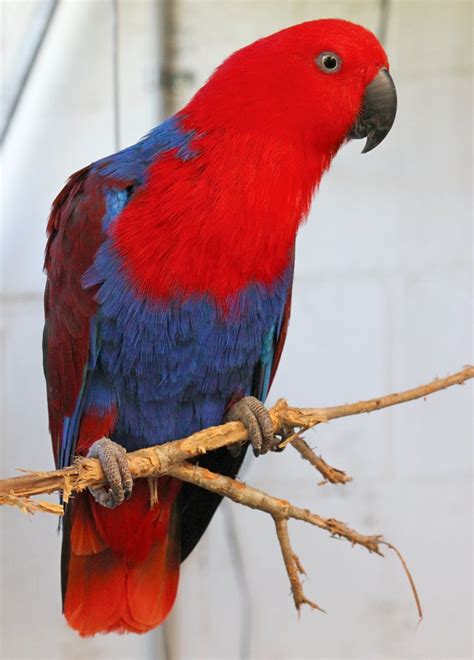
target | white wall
[
  {"x": 64, "y": 122},
  {"x": 382, "y": 302}
]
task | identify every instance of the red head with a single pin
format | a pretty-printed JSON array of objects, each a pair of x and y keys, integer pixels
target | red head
[{"x": 305, "y": 83}]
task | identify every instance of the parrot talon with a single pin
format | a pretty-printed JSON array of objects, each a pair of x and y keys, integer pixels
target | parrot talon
[
  {"x": 114, "y": 463},
  {"x": 256, "y": 419}
]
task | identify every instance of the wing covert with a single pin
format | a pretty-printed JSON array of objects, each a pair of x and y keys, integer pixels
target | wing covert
[
  {"x": 76, "y": 229},
  {"x": 272, "y": 350}
]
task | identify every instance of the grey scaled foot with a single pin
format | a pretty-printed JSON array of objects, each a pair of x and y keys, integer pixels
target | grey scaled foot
[
  {"x": 112, "y": 457},
  {"x": 256, "y": 419}
]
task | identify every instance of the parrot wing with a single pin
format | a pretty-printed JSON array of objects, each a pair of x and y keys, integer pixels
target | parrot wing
[
  {"x": 70, "y": 344},
  {"x": 102, "y": 590},
  {"x": 272, "y": 349}
]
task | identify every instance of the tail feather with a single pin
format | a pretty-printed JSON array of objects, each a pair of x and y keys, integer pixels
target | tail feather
[
  {"x": 152, "y": 585},
  {"x": 84, "y": 537},
  {"x": 123, "y": 564},
  {"x": 96, "y": 592}
]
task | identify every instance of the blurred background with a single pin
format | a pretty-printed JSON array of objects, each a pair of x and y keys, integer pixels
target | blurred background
[{"x": 382, "y": 302}]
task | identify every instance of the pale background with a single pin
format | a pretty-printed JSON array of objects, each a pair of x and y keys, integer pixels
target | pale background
[{"x": 382, "y": 302}]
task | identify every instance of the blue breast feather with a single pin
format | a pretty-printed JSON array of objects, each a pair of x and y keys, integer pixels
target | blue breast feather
[{"x": 169, "y": 368}]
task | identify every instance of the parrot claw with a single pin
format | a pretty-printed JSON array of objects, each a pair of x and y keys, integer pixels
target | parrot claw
[
  {"x": 112, "y": 457},
  {"x": 256, "y": 419}
]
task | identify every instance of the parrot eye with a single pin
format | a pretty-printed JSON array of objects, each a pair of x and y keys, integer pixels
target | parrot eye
[{"x": 328, "y": 62}]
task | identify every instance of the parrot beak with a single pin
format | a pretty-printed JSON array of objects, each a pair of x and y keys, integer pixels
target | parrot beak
[{"x": 379, "y": 107}]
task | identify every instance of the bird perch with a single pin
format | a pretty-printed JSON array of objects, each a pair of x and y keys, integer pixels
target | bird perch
[{"x": 172, "y": 459}]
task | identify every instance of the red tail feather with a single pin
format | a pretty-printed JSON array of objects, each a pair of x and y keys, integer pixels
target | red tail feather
[{"x": 124, "y": 563}]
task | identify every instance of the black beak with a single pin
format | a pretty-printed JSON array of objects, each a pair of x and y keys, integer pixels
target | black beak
[{"x": 379, "y": 108}]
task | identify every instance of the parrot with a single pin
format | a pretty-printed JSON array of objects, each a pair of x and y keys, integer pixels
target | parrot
[{"x": 169, "y": 269}]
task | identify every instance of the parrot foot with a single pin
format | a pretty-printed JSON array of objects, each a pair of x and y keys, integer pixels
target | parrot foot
[
  {"x": 256, "y": 419},
  {"x": 112, "y": 457}
]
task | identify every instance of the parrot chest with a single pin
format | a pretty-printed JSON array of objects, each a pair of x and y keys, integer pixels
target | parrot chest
[{"x": 171, "y": 368}]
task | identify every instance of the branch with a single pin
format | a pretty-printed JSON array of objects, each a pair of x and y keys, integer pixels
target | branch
[
  {"x": 281, "y": 511},
  {"x": 293, "y": 566},
  {"x": 256, "y": 499},
  {"x": 155, "y": 461},
  {"x": 330, "y": 474},
  {"x": 30, "y": 506},
  {"x": 172, "y": 459},
  {"x": 308, "y": 417}
]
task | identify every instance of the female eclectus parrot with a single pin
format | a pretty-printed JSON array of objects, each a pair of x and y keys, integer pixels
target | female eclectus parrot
[{"x": 169, "y": 269}]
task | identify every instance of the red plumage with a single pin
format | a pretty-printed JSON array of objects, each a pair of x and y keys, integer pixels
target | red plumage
[
  {"x": 68, "y": 307},
  {"x": 187, "y": 208},
  {"x": 124, "y": 562},
  {"x": 94, "y": 426}
]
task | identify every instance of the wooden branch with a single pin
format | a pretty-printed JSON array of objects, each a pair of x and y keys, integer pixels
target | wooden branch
[
  {"x": 293, "y": 566},
  {"x": 308, "y": 417},
  {"x": 155, "y": 461},
  {"x": 172, "y": 459},
  {"x": 31, "y": 506},
  {"x": 409, "y": 576},
  {"x": 281, "y": 511},
  {"x": 330, "y": 474},
  {"x": 256, "y": 499}
]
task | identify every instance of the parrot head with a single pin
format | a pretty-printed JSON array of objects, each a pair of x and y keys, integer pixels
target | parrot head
[{"x": 319, "y": 83}]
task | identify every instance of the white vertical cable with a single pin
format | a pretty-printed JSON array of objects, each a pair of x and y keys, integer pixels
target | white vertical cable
[
  {"x": 383, "y": 21},
  {"x": 116, "y": 72},
  {"x": 238, "y": 566},
  {"x": 15, "y": 85}
]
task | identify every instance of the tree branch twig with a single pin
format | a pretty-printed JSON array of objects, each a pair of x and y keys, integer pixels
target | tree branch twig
[
  {"x": 293, "y": 566},
  {"x": 331, "y": 474}
]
